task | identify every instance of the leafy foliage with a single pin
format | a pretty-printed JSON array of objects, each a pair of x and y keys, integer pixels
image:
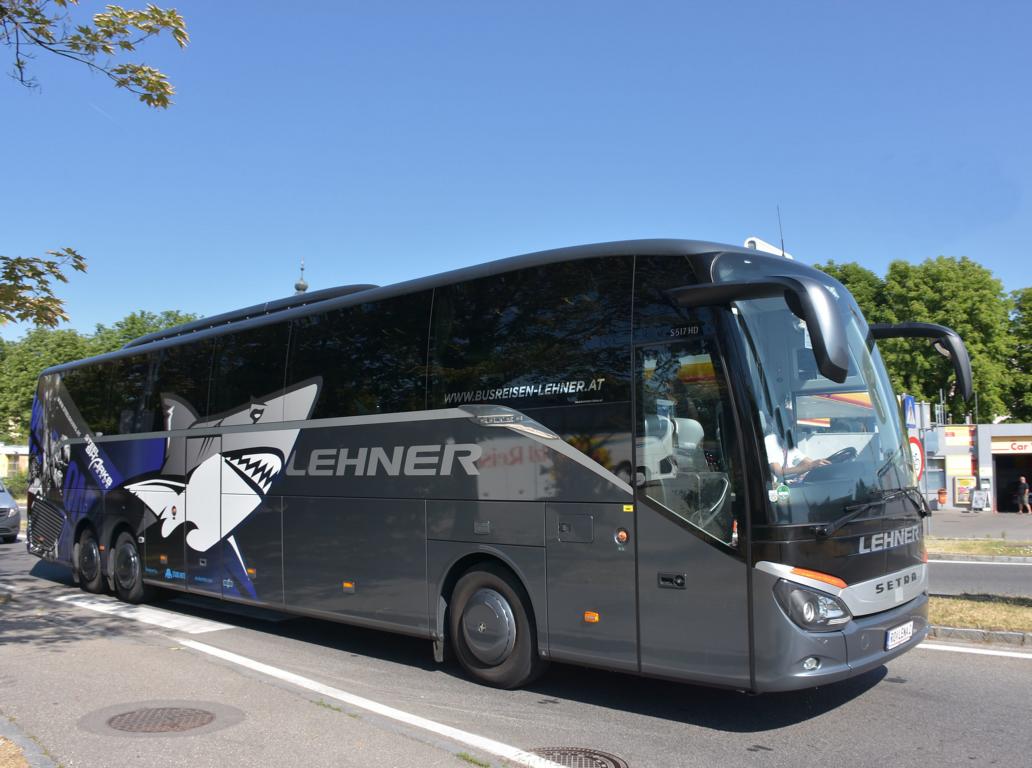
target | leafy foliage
[
  {"x": 1020, "y": 368},
  {"x": 18, "y": 484},
  {"x": 23, "y": 360},
  {"x": 26, "y": 286},
  {"x": 38, "y": 349},
  {"x": 134, "y": 325},
  {"x": 28, "y": 26},
  {"x": 956, "y": 292}
]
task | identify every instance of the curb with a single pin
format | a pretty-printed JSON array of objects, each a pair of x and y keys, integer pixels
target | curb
[
  {"x": 33, "y": 753},
  {"x": 981, "y": 558},
  {"x": 1023, "y": 639}
]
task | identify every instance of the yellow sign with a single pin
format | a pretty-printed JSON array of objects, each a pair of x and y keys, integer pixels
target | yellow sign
[{"x": 962, "y": 487}]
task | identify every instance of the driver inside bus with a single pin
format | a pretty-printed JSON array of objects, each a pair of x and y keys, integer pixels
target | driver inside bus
[
  {"x": 790, "y": 462},
  {"x": 787, "y": 462}
]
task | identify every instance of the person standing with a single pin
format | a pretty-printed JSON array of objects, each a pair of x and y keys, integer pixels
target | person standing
[{"x": 1023, "y": 505}]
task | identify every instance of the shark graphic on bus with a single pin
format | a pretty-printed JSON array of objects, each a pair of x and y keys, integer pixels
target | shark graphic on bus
[{"x": 219, "y": 482}]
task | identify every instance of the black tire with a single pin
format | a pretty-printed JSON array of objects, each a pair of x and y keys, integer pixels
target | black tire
[
  {"x": 127, "y": 570},
  {"x": 492, "y": 630},
  {"x": 87, "y": 562}
]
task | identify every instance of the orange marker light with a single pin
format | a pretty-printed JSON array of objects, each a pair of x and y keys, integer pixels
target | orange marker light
[
  {"x": 622, "y": 536},
  {"x": 591, "y": 617},
  {"x": 834, "y": 581}
]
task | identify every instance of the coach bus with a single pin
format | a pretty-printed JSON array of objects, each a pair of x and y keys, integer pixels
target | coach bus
[{"x": 671, "y": 458}]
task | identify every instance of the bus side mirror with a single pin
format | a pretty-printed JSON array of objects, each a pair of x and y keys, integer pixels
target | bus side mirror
[
  {"x": 945, "y": 341},
  {"x": 808, "y": 299}
]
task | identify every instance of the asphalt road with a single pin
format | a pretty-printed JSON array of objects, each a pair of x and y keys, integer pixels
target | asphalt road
[
  {"x": 977, "y": 578},
  {"x": 65, "y": 669}
]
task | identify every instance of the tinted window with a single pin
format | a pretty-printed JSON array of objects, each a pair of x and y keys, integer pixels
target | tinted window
[
  {"x": 655, "y": 318},
  {"x": 371, "y": 357},
  {"x": 89, "y": 388},
  {"x": 183, "y": 371},
  {"x": 131, "y": 384},
  {"x": 249, "y": 369},
  {"x": 548, "y": 335}
]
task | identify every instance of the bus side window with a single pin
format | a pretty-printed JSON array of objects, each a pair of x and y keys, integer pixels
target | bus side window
[
  {"x": 248, "y": 371},
  {"x": 183, "y": 371},
  {"x": 370, "y": 357},
  {"x": 555, "y": 334}
]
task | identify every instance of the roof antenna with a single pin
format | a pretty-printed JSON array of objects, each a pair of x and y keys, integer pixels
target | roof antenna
[
  {"x": 780, "y": 232},
  {"x": 301, "y": 286}
]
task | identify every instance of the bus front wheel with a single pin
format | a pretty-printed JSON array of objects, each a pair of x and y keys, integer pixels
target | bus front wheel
[
  {"x": 87, "y": 562},
  {"x": 128, "y": 570},
  {"x": 492, "y": 629}
]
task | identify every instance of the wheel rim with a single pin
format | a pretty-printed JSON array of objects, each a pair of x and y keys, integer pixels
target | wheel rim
[
  {"x": 489, "y": 627},
  {"x": 127, "y": 566},
  {"x": 89, "y": 559}
]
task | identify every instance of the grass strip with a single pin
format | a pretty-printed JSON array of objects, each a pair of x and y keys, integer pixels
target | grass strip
[
  {"x": 991, "y": 612},
  {"x": 938, "y": 546}
]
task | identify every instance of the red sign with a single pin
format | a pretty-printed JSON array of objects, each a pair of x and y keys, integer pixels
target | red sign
[{"x": 918, "y": 455}]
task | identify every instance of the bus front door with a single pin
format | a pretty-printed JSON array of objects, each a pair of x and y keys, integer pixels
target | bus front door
[{"x": 692, "y": 593}]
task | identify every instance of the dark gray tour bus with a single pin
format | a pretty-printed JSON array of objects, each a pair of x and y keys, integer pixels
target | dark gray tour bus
[{"x": 672, "y": 458}]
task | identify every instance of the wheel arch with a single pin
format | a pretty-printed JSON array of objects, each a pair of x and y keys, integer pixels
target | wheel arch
[{"x": 525, "y": 564}]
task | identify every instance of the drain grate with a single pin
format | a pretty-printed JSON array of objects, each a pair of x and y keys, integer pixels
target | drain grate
[
  {"x": 579, "y": 757},
  {"x": 161, "y": 720}
]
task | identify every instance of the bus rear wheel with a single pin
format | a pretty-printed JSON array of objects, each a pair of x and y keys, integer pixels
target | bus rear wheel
[
  {"x": 87, "y": 562},
  {"x": 492, "y": 630},
  {"x": 127, "y": 567}
]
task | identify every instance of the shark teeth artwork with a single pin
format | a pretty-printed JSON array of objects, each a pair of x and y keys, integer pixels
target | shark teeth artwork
[{"x": 216, "y": 482}]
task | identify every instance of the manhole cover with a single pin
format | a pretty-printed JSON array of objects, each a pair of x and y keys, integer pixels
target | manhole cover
[
  {"x": 161, "y": 720},
  {"x": 578, "y": 757}
]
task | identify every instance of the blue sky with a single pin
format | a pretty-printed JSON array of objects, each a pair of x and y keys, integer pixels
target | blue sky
[{"x": 385, "y": 141}]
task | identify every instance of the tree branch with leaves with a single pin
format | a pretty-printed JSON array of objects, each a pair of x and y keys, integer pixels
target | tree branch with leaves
[
  {"x": 27, "y": 286},
  {"x": 28, "y": 26}
]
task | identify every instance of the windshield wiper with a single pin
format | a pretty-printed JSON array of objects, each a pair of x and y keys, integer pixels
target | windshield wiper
[{"x": 853, "y": 511}]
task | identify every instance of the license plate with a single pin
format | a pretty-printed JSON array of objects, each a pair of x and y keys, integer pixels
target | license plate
[{"x": 899, "y": 635}]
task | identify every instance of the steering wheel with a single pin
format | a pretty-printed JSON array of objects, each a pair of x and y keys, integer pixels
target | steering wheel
[{"x": 846, "y": 454}]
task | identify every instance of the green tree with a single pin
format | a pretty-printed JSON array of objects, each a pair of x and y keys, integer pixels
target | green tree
[
  {"x": 1020, "y": 368},
  {"x": 134, "y": 325},
  {"x": 27, "y": 286},
  {"x": 956, "y": 292},
  {"x": 38, "y": 349},
  {"x": 29, "y": 26}
]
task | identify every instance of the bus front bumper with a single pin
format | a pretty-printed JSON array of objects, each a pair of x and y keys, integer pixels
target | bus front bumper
[{"x": 858, "y": 648}]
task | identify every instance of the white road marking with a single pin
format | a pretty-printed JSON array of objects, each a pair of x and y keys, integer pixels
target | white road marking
[
  {"x": 483, "y": 743},
  {"x": 144, "y": 613},
  {"x": 976, "y": 562},
  {"x": 976, "y": 651}
]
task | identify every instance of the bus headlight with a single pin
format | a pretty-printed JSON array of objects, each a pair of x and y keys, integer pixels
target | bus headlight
[{"x": 810, "y": 609}]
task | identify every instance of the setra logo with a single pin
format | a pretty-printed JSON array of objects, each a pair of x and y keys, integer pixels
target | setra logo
[{"x": 900, "y": 581}]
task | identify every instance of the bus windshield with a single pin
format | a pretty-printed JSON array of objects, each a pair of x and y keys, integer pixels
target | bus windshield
[{"x": 826, "y": 446}]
